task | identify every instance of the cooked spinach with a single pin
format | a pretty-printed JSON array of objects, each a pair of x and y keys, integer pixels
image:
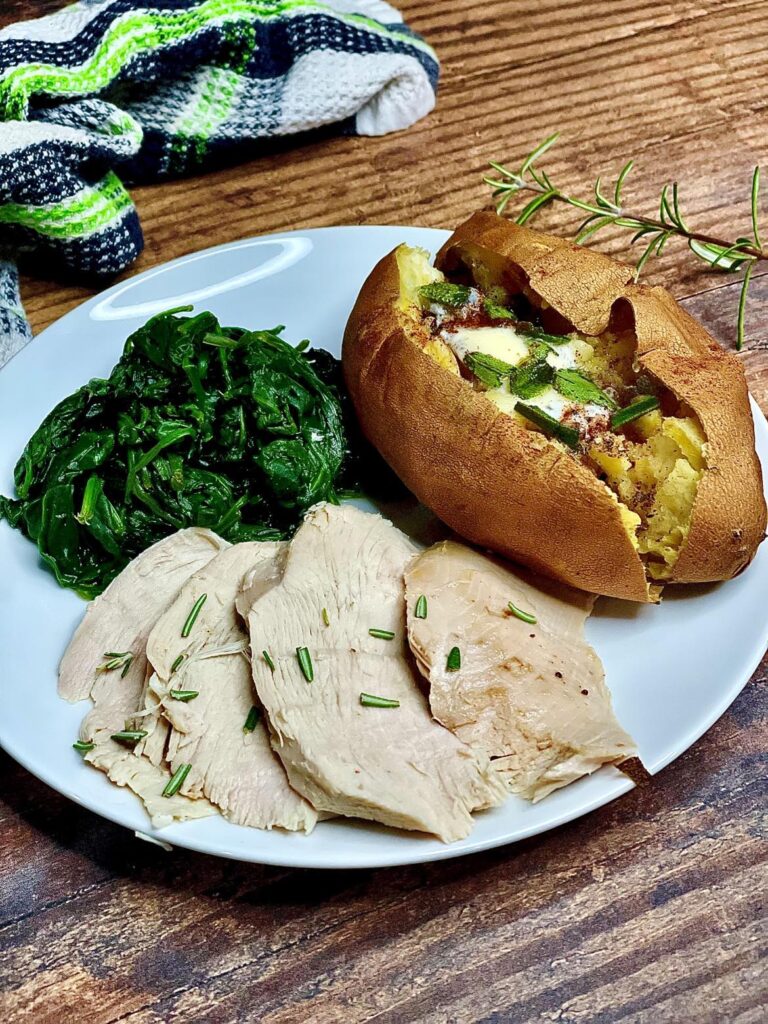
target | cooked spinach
[{"x": 197, "y": 425}]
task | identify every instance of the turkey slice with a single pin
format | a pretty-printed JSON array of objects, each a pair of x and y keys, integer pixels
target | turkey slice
[
  {"x": 531, "y": 695},
  {"x": 234, "y": 768},
  {"x": 393, "y": 765}
]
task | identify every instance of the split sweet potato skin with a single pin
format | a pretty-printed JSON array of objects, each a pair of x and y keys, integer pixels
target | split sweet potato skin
[{"x": 517, "y": 492}]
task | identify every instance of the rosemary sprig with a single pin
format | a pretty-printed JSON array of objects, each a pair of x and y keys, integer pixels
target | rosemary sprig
[{"x": 603, "y": 211}]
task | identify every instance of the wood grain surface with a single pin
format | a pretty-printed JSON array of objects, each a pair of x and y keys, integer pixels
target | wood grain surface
[{"x": 649, "y": 911}]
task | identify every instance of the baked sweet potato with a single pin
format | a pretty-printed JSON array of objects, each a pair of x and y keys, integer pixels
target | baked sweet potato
[{"x": 546, "y": 407}]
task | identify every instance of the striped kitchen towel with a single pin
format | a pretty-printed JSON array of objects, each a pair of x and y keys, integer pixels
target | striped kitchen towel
[{"x": 108, "y": 92}]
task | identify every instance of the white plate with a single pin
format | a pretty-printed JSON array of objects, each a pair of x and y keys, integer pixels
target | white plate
[{"x": 673, "y": 669}]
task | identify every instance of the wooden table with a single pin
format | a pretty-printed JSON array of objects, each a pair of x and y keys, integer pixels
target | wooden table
[{"x": 650, "y": 910}]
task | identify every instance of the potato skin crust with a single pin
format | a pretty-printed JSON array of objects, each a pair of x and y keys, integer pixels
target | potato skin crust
[{"x": 510, "y": 489}]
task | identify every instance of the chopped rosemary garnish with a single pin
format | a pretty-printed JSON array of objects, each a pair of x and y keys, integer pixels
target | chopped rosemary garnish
[
  {"x": 443, "y": 293},
  {"x": 252, "y": 720},
  {"x": 191, "y": 618},
  {"x": 548, "y": 424},
  {"x": 520, "y": 614},
  {"x": 268, "y": 660},
  {"x": 634, "y": 411},
  {"x": 579, "y": 388},
  {"x": 128, "y": 735},
  {"x": 326, "y": 617},
  {"x": 368, "y": 700},
  {"x": 184, "y": 695},
  {"x": 305, "y": 663},
  {"x": 82, "y": 747},
  {"x": 420, "y": 611},
  {"x": 176, "y": 663},
  {"x": 382, "y": 634},
  {"x": 453, "y": 662},
  {"x": 117, "y": 659},
  {"x": 176, "y": 781}
]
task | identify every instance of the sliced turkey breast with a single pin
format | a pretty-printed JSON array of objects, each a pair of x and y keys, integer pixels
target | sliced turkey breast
[
  {"x": 530, "y": 694},
  {"x": 234, "y": 768},
  {"x": 344, "y": 577},
  {"x": 114, "y": 632},
  {"x": 120, "y": 619}
]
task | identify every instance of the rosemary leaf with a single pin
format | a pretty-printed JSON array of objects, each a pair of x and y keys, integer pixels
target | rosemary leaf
[
  {"x": 755, "y": 213},
  {"x": 382, "y": 634},
  {"x": 128, "y": 735},
  {"x": 82, "y": 747},
  {"x": 549, "y": 425},
  {"x": 176, "y": 663},
  {"x": 252, "y": 720},
  {"x": 305, "y": 663},
  {"x": 453, "y": 661},
  {"x": 268, "y": 660},
  {"x": 601, "y": 200},
  {"x": 368, "y": 700},
  {"x": 117, "y": 660},
  {"x": 586, "y": 232},
  {"x": 184, "y": 695},
  {"x": 192, "y": 617},
  {"x": 676, "y": 207},
  {"x": 176, "y": 781},
  {"x": 520, "y": 614},
  {"x": 534, "y": 205},
  {"x": 420, "y": 611},
  {"x": 743, "y": 305},
  {"x": 649, "y": 251},
  {"x": 620, "y": 181},
  {"x": 633, "y": 411},
  {"x": 326, "y": 619},
  {"x": 540, "y": 150}
]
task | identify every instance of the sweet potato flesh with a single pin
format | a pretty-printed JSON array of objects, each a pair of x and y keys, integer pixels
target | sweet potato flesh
[{"x": 652, "y": 465}]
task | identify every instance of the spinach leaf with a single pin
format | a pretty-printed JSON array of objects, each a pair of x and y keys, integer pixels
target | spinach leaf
[{"x": 197, "y": 425}]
